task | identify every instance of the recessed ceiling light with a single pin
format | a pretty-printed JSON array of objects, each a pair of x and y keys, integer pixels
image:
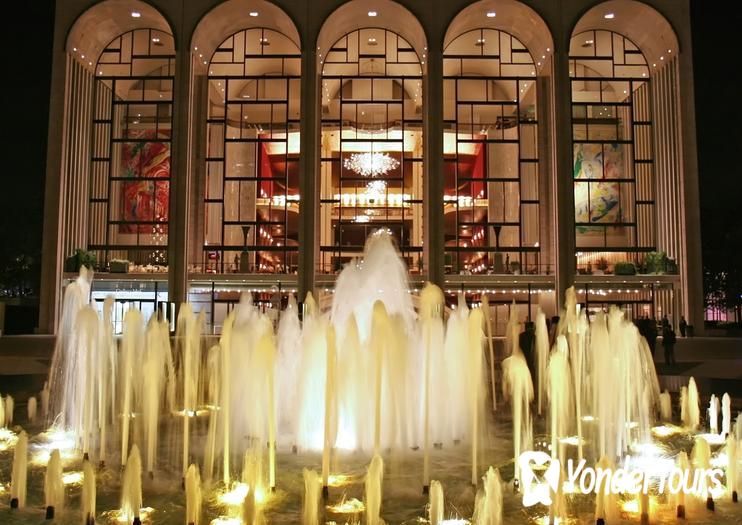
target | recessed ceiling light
[
  {"x": 136, "y": 14},
  {"x": 372, "y": 13},
  {"x": 253, "y": 13},
  {"x": 609, "y": 16},
  {"x": 491, "y": 14}
]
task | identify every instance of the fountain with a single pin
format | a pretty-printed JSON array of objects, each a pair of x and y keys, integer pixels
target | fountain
[
  {"x": 31, "y": 410},
  {"x": 665, "y": 406},
  {"x": 726, "y": 414},
  {"x": 435, "y": 507},
  {"x": 731, "y": 471},
  {"x": 690, "y": 414},
  {"x": 372, "y": 500},
  {"x": 713, "y": 413},
  {"x": 131, "y": 488},
  {"x": 310, "y": 505},
  {"x": 53, "y": 485},
  {"x": 332, "y": 394},
  {"x": 9, "y": 409},
  {"x": 19, "y": 474},
  {"x": 488, "y": 504},
  {"x": 701, "y": 459},
  {"x": 518, "y": 387},
  {"x": 88, "y": 496},
  {"x": 542, "y": 358},
  {"x": 193, "y": 495}
]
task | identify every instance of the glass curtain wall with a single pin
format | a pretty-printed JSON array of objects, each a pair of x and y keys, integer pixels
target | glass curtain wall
[
  {"x": 371, "y": 147},
  {"x": 491, "y": 192},
  {"x": 130, "y": 164},
  {"x": 251, "y": 194},
  {"x": 612, "y": 144}
]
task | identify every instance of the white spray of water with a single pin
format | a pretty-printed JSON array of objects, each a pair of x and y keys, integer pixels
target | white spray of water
[
  {"x": 53, "y": 485},
  {"x": 713, "y": 413},
  {"x": 154, "y": 376},
  {"x": 88, "y": 496},
  {"x": 193, "y": 495},
  {"x": 67, "y": 375},
  {"x": 131, "y": 347},
  {"x": 310, "y": 504},
  {"x": 373, "y": 492},
  {"x": 431, "y": 307},
  {"x": 665, "y": 406},
  {"x": 518, "y": 388},
  {"x": 731, "y": 470},
  {"x": 31, "y": 409},
  {"x": 490, "y": 346},
  {"x": 330, "y": 423},
  {"x": 726, "y": 414},
  {"x": 9, "y": 409},
  {"x": 605, "y": 498},
  {"x": 476, "y": 391},
  {"x": 131, "y": 487},
  {"x": 436, "y": 505},
  {"x": 560, "y": 394},
  {"x": 488, "y": 502},
  {"x": 20, "y": 471}
]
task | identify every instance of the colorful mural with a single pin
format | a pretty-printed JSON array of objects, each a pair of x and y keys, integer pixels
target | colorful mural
[{"x": 146, "y": 199}]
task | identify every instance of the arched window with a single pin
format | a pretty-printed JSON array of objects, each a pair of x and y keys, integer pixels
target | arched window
[
  {"x": 371, "y": 146},
  {"x": 129, "y": 194},
  {"x": 612, "y": 140},
  {"x": 251, "y": 193},
  {"x": 491, "y": 177}
]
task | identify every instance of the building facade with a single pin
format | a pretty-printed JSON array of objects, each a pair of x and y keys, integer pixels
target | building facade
[{"x": 513, "y": 149}]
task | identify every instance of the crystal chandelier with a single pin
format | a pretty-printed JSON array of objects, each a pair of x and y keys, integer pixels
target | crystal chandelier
[{"x": 371, "y": 164}]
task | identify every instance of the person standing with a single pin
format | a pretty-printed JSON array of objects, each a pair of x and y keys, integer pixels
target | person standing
[
  {"x": 683, "y": 325},
  {"x": 668, "y": 343}
]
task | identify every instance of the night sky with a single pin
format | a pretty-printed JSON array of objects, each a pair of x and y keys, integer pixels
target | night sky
[{"x": 27, "y": 70}]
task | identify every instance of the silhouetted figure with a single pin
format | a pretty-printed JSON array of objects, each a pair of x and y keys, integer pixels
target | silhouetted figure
[
  {"x": 668, "y": 342},
  {"x": 553, "y": 327},
  {"x": 651, "y": 335},
  {"x": 683, "y": 325},
  {"x": 527, "y": 342}
]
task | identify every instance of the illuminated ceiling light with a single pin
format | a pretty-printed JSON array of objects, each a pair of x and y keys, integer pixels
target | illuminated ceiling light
[
  {"x": 609, "y": 16},
  {"x": 480, "y": 42},
  {"x": 491, "y": 14},
  {"x": 371, "y": 164},
  {"x": 156, "y": 40},
  {"x": 264, "y": 41},
  {"x": 136, "y": 14},
  {"x": 372, "y": 13},
  {"x": 254, "y": 13}
]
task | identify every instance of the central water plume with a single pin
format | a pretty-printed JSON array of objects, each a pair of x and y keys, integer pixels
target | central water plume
[{"x": 380, "y": 275}]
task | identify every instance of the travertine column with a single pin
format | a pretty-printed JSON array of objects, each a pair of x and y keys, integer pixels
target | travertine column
[
  {"x": 433, "y": 158},
  {"x": 308, "y": 171}
]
